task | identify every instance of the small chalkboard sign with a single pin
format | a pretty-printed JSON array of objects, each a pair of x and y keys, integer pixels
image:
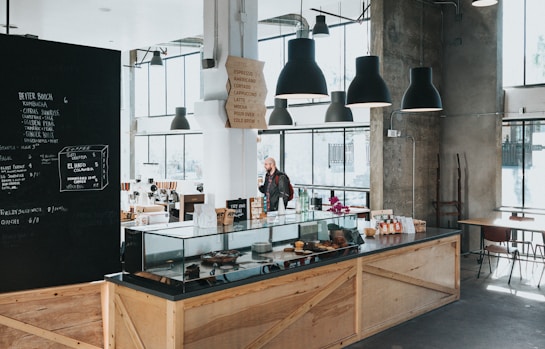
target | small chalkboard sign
[{"x": 241, "y": 208}]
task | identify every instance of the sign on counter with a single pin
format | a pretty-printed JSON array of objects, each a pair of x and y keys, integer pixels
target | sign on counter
[{"x": 240, "y": 207}]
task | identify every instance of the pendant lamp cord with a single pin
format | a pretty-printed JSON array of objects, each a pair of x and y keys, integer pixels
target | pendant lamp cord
[
  {"x": 421, "y": 34},
  {"x": 216, "y": 30},
  {"x": 242, "y": 15},
  {"x": 368, "y": 31},
  {"x": 341, "y": 57},
  {"x": 7, "y": 17}
]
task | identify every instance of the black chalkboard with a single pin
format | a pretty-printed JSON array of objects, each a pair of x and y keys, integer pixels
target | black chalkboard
[{"x": 59, "y": 163}]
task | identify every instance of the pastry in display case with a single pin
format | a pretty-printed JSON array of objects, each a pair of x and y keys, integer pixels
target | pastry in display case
[{"x": 188, "y": 258}]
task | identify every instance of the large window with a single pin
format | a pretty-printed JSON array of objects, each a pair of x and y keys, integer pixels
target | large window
[
  {"x": 523, "y": 164},
  {"x": 337, "y": 158},
  {"x": 170, "y": 156},
  {"x": 332, "y": 160},
  {"x": 325, "y": 160},
  {"x": 160, "y": 89},
  {"x": 523, "y": 42},
  {"x": 523, "y": 142}
]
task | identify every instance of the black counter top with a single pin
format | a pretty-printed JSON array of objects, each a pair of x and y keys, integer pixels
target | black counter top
[{"x": 371, "y": 245}]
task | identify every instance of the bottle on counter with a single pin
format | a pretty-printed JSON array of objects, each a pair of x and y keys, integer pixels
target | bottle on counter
[
  {"x": 265, "y": 204},
  {"x": 281, "y": 206},
  {"x": 305, "y": 202},
  {"x": 298, "y": 203}
]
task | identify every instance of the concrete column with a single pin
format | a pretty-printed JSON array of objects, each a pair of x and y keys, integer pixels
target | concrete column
[
  {"x": 406, "y": 34},
  {"x": 229, "y": 165},
  {"x": 472, "y": 95}
]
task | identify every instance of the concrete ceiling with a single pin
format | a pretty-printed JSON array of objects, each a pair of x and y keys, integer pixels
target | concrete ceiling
[{"x": 129, "y": 24}]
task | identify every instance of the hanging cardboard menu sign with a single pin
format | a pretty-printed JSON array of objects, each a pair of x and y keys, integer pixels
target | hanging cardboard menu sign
[{"x": 247, "y": 91}]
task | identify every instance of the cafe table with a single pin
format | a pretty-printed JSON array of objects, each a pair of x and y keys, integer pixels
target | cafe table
[
  {"x": 502, "y": 220},
  {"x": 537, "y": 225}
]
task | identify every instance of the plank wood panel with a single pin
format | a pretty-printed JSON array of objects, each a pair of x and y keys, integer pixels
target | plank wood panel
[
  {"x": 401, "y": 284},
  {"x": 250, "y": 313},
  {"x": 55, "y": 317},
  {"x": 140, "y": 319}
]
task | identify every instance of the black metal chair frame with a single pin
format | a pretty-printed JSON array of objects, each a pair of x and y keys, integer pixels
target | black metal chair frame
[{"x": 493, "y": 234}]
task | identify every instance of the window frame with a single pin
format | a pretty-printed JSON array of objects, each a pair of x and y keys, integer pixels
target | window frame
[
  {"x": 341, "y": 191},
  {"x": 508, "y": 46},
  {"x": 164, "y": 161},
  {"x": 526, "y": 144}
]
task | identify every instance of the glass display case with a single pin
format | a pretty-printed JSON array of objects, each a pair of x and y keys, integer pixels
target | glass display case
[{"x": 188, "y": 258}]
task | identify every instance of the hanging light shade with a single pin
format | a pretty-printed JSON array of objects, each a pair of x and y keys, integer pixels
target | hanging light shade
[
  {"x": 483, "y": 3},
  {"x": 280, "y": 115},
  {"x": 180, "y": 121},
  {"x": 337, "y": 110},
  {"x": 301, "y": 77},
  {"x": 421, "y": 95},
  {"x": 368, "y": 89},
  {"x": 156, "y": 59},
  {"x": 320, "y": 29}
]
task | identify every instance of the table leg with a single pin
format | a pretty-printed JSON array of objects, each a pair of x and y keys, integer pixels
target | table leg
[{"x": 481, "y": 250}]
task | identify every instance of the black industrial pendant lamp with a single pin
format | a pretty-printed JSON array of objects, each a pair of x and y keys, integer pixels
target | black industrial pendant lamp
[
  {"x": 280, "y": 115},
  {"x": 320, "y": 29},
  {"x": 368, "y": 89},
  {"x": 483, "y": 3},
  {"x": 180, "y": 121},
  {"x": 301, "y": 77},
  {"x": 337, "y": 110},
  {"x": 156, "y": 59},
  {"x": 421, "y": 95}
]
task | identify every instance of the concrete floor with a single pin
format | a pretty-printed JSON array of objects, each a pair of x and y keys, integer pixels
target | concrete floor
[{"x": 489, "y": 314}]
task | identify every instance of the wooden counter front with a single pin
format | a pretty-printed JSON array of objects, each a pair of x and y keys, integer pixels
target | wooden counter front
[{"x": 328, "y": 306}]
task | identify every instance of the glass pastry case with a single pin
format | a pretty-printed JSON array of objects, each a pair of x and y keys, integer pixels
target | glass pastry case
[{"x": 186, "y": 258}]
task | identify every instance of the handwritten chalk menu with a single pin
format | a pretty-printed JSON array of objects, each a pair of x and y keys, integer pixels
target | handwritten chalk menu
[
  {"x": 59, "y": 158},
  {"x": 247, "y": 91},
  {"x": 240, "y": 207},
  {"x": 83, "y": 167},
  {"x": 38, "y": 114}
]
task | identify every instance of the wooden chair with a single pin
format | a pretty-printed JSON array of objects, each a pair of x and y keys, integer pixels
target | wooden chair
[{"x": 498, "y": 239}]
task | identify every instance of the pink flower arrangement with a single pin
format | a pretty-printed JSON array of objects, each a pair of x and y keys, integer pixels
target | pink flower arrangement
[{"x": 337, "y": 206}]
